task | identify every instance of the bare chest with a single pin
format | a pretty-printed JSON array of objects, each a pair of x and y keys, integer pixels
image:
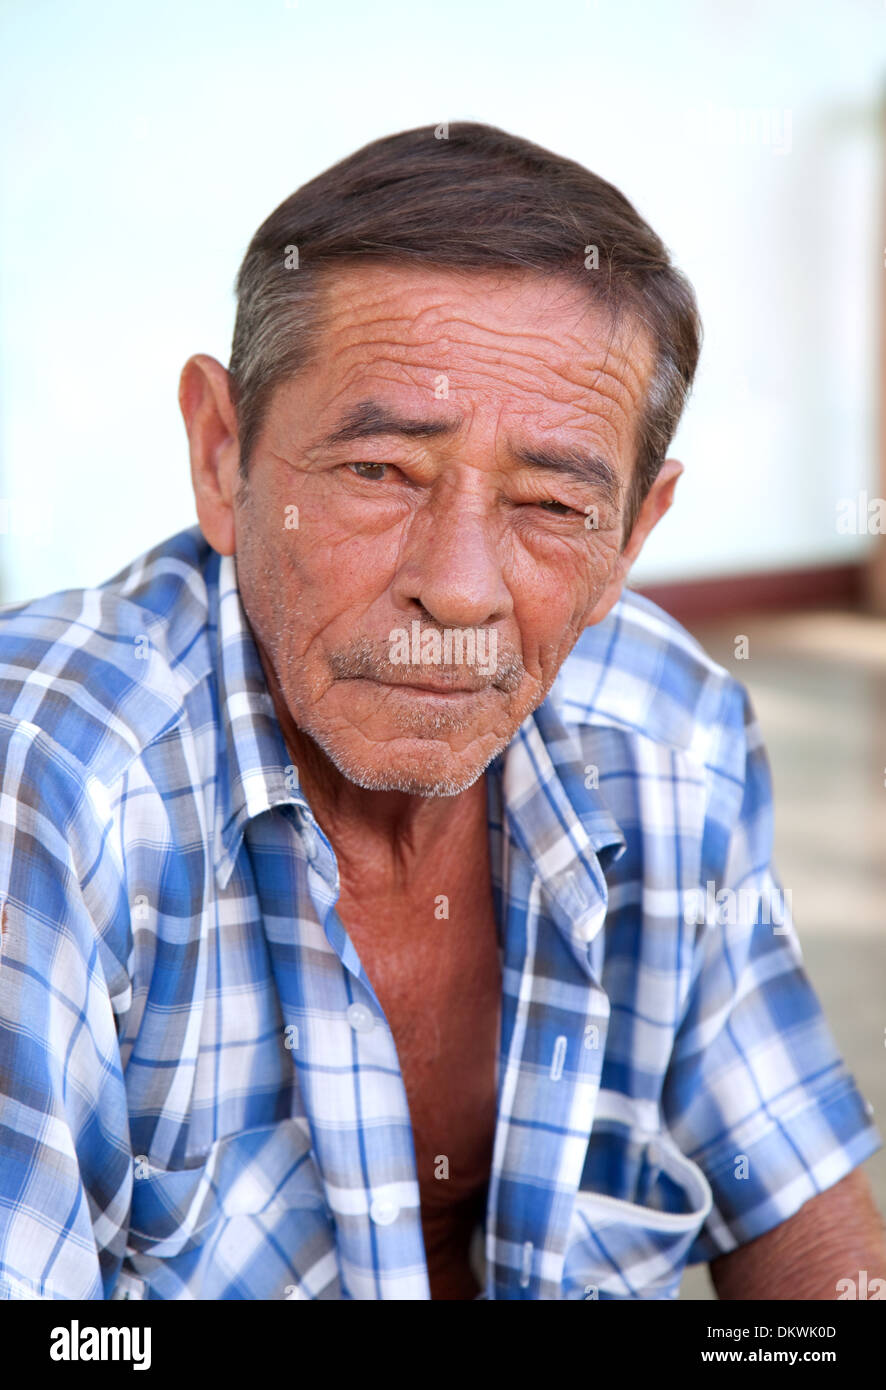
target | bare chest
[{"x": 435, "y": 968}]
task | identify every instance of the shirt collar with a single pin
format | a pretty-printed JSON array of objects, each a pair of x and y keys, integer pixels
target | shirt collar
[
  {"x": 564, "y": 826},
  {"x": 255, "y": 770}
]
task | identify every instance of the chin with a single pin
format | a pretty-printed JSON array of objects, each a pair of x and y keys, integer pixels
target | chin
[{"x": 418, "y": 767}]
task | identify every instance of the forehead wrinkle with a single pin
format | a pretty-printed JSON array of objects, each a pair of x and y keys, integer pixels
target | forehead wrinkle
[
  {"x": 448, "y": 318},
  {"x": 619, "y": 343},
  {"x": 566, "y": 368},
  {"x": 443, "y": 286},
  {"x": 509, "y": 343},
  {"x": 539, "y": 377},
  {"x": 374, "y": 289}
]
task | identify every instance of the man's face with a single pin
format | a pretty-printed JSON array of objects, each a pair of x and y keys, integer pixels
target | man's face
[{"x": 428, "y": 514}]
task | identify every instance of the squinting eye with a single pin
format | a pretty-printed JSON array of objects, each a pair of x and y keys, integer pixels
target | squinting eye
[
  {"x": 565, "y": 509},
  {"x": 373, "y": 477}
]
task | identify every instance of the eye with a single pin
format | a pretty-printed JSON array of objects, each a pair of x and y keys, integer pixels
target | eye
[
  {"x": 369, "y": 473},
  {"x": 558, "y": 508}
]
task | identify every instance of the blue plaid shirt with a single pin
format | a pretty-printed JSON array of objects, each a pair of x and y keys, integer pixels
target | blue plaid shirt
[{"x": 200, "y": 1095}]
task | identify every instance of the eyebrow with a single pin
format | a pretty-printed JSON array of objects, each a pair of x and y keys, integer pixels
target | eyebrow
[
  {"x": 369, "y": 418},
  {"x": 587, "y": 468}
]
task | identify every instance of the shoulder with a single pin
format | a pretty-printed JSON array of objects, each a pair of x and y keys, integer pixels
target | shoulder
[
  {"x": 641, "y": 675},
  {"x": 98, "y": 673}
]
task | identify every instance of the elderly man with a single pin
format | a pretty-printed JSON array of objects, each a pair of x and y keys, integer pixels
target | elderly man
[{"x": 388, "y": 909}]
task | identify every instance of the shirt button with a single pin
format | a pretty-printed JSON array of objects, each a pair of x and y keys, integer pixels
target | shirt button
[
  {"x": 383, "y": 1211},
  {"x": 360, "y": 1018},
  {"x": 310, "y": 842},
  {"x": 588, "y": 927}
]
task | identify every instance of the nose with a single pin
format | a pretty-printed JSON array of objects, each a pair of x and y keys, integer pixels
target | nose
[{"x": 451, "y": 563}]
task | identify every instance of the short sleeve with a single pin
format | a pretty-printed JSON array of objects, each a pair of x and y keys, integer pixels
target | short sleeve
[
  {"x": 756, "y": 1093},
  {"x": 66, "y": 1167}
]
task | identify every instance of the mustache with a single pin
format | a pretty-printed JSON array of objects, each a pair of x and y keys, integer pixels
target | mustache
[{"x": 362, "y": 659}]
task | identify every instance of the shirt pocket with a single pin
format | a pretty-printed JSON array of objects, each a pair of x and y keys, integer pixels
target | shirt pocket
[
  {"x": 640, "y": 1205},
  {"x": 263, "y": 1172}
]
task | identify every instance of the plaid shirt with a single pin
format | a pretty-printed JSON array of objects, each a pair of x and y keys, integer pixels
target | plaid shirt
[{"x": 200, "y": 1096}]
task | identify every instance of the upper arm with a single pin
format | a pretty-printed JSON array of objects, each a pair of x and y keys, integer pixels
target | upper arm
[{"x": 757, "y": 1093}]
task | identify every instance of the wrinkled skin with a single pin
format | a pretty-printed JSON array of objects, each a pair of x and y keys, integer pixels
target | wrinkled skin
[{"x": 452, "y": 530}]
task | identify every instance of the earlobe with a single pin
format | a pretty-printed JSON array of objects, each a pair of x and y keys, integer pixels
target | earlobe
[{"x": 610, "y": 594}]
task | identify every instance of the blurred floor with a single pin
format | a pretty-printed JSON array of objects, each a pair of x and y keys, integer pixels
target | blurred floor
[{"x": 818, "y": 684}]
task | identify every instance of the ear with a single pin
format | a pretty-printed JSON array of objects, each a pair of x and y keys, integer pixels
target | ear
[
  {"x": 211, "y": 422},
  {"x": 655, "y": 504}
]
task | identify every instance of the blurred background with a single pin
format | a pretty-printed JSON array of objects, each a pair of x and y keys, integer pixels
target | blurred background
[{"x": 140, "y": 147}]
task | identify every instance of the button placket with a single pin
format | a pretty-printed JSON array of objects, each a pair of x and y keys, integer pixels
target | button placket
[{"x": 571, "y": 1087}]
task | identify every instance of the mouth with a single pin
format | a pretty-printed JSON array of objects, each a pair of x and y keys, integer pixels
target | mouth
[{"x": 438, "y": 692}]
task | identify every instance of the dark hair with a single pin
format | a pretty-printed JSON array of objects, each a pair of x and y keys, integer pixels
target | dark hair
[{"x": 466, "y": 196}]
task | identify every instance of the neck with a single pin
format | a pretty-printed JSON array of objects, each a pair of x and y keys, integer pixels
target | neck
[{"x": 394, "y": 830}]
